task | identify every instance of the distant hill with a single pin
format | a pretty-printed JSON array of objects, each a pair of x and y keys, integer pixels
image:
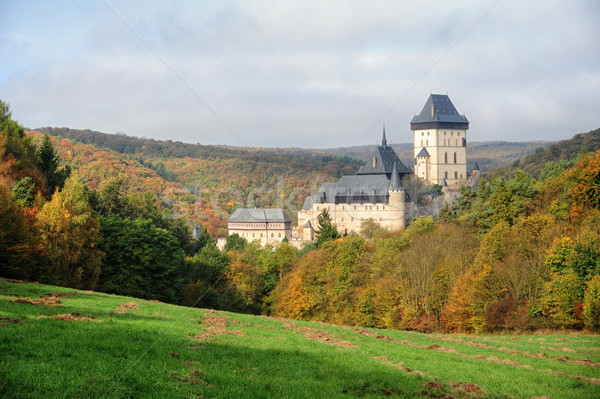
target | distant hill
[
  {"x": 202, "y": 183},
  {"x": 487, "y": 154},
  {"x": 563, "y": 150}
]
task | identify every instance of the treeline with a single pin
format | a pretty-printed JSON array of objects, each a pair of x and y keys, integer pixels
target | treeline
[
  {"x": 123, "y": 144},
  {"x": 204, "y": 190},
  {"x": 564, "y": 153}
]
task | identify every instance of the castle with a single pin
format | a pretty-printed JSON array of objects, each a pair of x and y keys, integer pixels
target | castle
[{"x": 376, "y": 191}]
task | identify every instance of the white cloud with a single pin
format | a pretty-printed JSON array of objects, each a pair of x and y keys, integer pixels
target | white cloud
[{"x": 305, "y": 74}]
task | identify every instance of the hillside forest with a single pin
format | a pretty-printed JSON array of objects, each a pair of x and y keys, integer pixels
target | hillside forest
[{"x": 115, "y": 214}]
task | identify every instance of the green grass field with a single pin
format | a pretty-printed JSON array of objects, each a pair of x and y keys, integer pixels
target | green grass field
[{"x": 77, "y": 344}]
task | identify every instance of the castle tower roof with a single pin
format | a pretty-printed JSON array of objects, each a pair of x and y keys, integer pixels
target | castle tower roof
[
  {"x": 423, "y": 153},
  {"x": 384, "y": 140},
  {"x": 395, "y": 182},
  {"x": 439, "y": 112}
]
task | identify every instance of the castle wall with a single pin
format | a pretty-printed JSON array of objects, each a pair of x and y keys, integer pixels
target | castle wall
[
  {"x": 265, "y": 233},
  {"x": 349, "y": 217}
]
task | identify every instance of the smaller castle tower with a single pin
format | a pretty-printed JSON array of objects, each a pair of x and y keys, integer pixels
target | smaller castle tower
[{"x": 397, "y": 202}]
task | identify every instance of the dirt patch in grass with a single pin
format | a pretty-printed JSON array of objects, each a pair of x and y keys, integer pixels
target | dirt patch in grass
[
  {"x": 317, "y": 335},
  {"x": 433, "y": 385},
  {"x": 387, "y": 362},
  {"x": 214, "y": 324},
  {"x": 51, "y": 301},
  {"x": 125, "y": 307},
  {"x": 468, "y": 388},
  {"x": 492, "y": 359},
  {"x": 70, "y": 316},
  {"x": 585, "y": 362},
  {"x": 4, "y": 321},
  {"x": 195, "y": 377}
]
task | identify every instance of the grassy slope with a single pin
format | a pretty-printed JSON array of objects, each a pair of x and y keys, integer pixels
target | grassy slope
[{"x": 161, "y": 350}]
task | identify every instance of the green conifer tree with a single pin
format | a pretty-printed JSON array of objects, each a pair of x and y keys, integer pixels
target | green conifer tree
[{"x": 326, "y": 231}]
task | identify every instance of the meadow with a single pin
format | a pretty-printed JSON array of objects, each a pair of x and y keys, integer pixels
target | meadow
[{"x": 61, "y": 343}]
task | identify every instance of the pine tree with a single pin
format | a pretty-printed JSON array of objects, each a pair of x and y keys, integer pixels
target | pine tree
[
  {"x": 326, "y": 231},
  {"x": 48, "y": 164}
]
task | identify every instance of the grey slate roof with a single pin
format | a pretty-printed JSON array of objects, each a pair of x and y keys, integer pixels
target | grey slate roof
[
  {"x": 371, "y": 184},
  {"x": 423, "y": 153},
  {"x": 355, "y": 189},
  {"x": 245, "y": 215},
  {"x": 444, "y": 111},
  {"x": 386, "y": 158}
]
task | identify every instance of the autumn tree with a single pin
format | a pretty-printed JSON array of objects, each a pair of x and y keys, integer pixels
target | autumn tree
[
  {"x": 19, "y": 249},
  {"x": 591, "y": 303},
  {"x": 70, "y": 234}
]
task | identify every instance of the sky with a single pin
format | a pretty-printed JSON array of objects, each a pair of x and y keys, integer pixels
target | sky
[{"x": 310, "y": 74}]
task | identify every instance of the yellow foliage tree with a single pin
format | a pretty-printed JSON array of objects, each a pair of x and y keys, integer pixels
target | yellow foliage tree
[
  {"x": 463, "y": 313},
  {"x": 70, "y": 234}
]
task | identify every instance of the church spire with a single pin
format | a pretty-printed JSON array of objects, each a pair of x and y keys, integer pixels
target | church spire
[{"x": 384, "y": 140}]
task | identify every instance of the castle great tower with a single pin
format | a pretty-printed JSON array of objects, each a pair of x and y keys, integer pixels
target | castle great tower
[{"x": 440, "y": 142}]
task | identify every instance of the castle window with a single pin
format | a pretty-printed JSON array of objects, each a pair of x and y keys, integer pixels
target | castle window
[
  {"x": 261, "y": 235},
  {"x": 279, "y": 235},
  {"x": 342, "y": 219},
  {"x": 272, "y": 235},
  {"x": 428, "y": 133},
  {"x": 445, "y": 157},
  {"x": 454, "y": 157},
  {"x": 456, "y": 175},
  {"x": 383, "y": 207},
  {"x": 445, "y": 132},
  {"x": 252, "y": 235},
  {"x": 377, "y": 207},
  {"x": 421, "y": 143},
  {"x": 343, "y": 208},
  {"x": 446, "y": 175},
  {"x": 451, "y": 133}
]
